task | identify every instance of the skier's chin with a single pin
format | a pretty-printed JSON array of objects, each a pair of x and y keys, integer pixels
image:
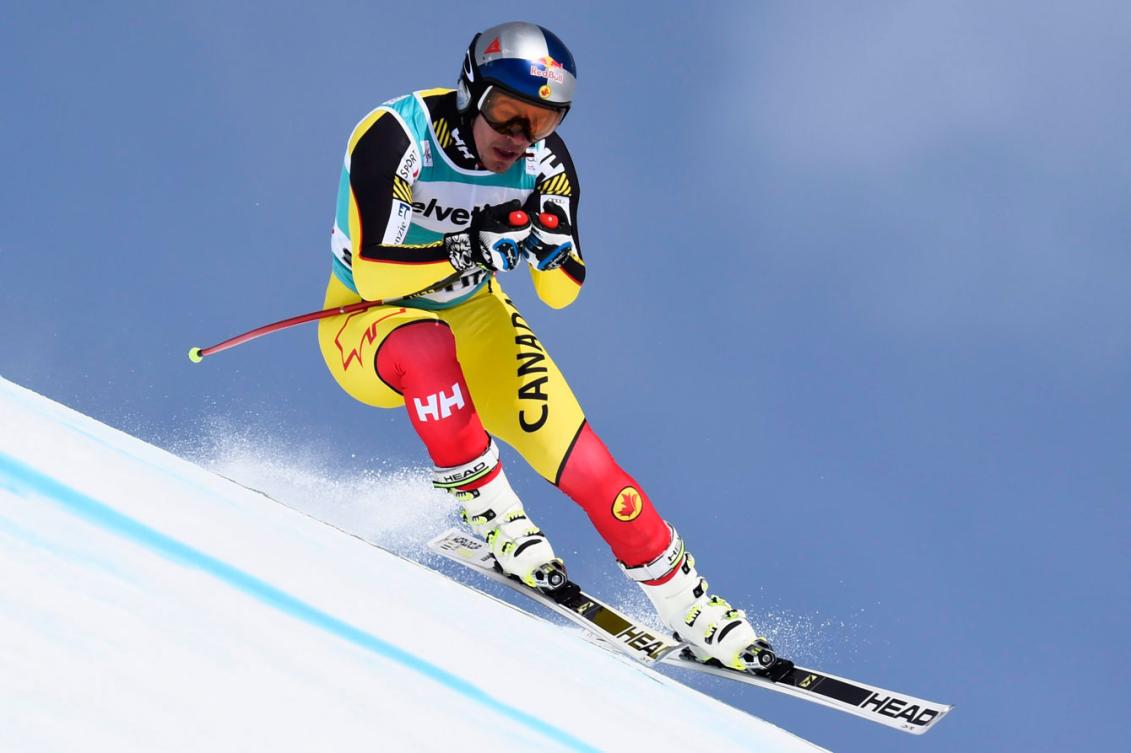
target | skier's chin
[{"x": 500, "y": 160}]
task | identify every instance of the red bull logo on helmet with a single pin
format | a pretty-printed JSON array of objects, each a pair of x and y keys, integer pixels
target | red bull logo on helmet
[{"x": 548, "y": 68}]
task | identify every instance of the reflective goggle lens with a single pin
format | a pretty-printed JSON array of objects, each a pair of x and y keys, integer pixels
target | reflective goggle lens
[{"x": 513, "y": 117}]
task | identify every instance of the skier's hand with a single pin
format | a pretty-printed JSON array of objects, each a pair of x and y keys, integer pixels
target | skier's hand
[
  {"x": 551, "y": 239},
  {"x": 493, "y": 240}
]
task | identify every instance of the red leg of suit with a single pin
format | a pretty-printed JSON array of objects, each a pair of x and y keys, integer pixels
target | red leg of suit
[
  {"x": 621, "y": 512},
  {"x": 419, "y": 361}
]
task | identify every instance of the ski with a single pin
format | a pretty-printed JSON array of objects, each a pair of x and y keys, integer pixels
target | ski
[
  {"x": 895, "y": 710},
  {"x": 624, "y": 633}
]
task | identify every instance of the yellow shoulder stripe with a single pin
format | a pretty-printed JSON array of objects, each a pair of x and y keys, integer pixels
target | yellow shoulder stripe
[{"x": 365, "y": 124}]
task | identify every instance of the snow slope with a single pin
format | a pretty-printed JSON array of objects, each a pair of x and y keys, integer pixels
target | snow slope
[{"x": 147, "y": 604}]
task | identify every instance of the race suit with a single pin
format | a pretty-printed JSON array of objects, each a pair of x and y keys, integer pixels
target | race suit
[{"x": 449, "y": 344}]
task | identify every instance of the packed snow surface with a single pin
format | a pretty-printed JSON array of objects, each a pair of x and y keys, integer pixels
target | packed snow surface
[{"x": 147, "y": 604}]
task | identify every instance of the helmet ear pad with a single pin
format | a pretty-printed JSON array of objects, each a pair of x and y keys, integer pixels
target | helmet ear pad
[
  {"x": 463, "y": 96},
  {"x": 466, "y": 90}
]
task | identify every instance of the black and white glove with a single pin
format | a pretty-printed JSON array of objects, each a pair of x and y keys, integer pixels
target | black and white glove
[
  {"x": 551, "y": 239},
  {"x": 493, "y": 240}
]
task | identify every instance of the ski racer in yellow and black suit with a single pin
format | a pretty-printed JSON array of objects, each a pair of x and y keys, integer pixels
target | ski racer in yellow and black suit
[{"x": 441, "y": 190}]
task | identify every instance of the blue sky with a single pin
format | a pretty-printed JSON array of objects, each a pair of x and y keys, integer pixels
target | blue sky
[{"x": 856, "y": 313}]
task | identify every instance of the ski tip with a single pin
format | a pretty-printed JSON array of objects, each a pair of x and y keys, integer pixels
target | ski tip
[{"x": 195, "y": 355}]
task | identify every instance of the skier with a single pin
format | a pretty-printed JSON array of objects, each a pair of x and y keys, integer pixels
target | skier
[{"x": 441, "y": 191}]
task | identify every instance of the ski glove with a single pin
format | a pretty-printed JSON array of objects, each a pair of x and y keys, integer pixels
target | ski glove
[
  {"x": 493, "y": 240},
  {"x": 551, "y": 240}
]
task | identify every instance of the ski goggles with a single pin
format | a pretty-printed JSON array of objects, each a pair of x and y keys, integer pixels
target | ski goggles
[{"x": 512, "y": 116}]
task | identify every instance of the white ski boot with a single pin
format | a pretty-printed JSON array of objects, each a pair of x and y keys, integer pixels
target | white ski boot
[
  {"x": 496, "y": 514},
  {"x": 708, "y": 624}
]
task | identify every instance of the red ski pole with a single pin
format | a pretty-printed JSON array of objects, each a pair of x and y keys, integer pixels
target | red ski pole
[{"x": 196, "y": 355}]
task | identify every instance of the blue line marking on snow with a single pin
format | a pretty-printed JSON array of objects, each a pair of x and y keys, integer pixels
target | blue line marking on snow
[{"x": 109, "y": 519}]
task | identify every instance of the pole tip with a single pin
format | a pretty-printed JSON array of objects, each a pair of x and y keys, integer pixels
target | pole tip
[{"x": 195, "y": 355}]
